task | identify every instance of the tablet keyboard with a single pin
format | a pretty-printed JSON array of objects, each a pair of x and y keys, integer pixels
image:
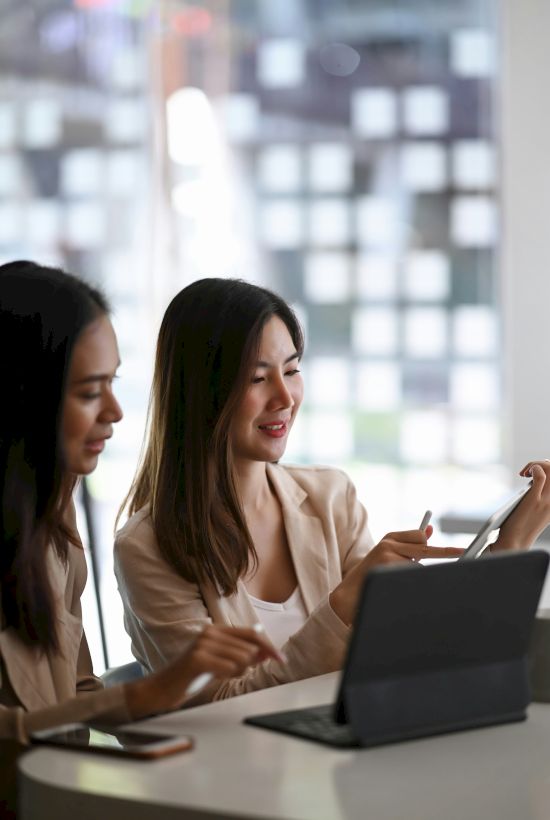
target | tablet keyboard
[{"x": 315, "y": 723}]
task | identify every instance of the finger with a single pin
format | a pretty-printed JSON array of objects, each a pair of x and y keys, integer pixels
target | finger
[
  {"x": 236, "y": 635},
  {"x": 242, "y": 657},
  {"x": 540, "y": 477},
  {"x": 419, "y": 552},
  {"x": 218, "y": 666},
  {"x": 429, "y": 531},
  {"x": 544, "y": 464},
  {"x": 407, "y": 536}
]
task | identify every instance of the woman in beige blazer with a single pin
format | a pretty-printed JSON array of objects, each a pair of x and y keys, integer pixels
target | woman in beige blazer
[
  {"x": 58, "y": 362},
  {"x": 219, "y": 531}
]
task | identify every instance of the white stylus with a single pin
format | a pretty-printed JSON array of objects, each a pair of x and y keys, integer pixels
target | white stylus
[
  {"x": 198, "y": 683},
  {"x": 425, "y": 520}
]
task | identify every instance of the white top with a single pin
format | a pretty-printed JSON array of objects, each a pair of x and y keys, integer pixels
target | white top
[{"x": 281, "y": 620}]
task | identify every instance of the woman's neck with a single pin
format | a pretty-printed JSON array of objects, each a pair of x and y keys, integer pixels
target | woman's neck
[{"x": 253, "y": 484}]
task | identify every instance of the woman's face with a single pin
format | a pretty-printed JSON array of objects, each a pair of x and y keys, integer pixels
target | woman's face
[
  {"x": 267, "y": 411},
  {"x": 90, "y": 408}
]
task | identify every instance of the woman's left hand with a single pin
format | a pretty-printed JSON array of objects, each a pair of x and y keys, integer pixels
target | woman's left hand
[{"x": 532, "y": 515}]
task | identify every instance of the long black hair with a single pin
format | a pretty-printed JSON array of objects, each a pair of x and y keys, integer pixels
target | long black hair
[
  {"x": 43, "y": 311},
  {"x": 207, "y": 346}
]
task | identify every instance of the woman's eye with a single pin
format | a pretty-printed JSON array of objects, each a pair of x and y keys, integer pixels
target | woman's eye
[
  {"x": 90, "y": 396},
  {"x": 257, "y": 379},
  {"x": 293, "y": 372}
]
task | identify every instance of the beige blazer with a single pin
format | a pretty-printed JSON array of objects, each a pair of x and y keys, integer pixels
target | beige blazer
[
  {"x": 39, "y": 690},
  {"x": 327, "y": 533}
]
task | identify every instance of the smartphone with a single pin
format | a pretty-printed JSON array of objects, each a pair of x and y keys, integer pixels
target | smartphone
[
  {"x": 123, "y": 742},
  {"x": 494, "y": 522}
]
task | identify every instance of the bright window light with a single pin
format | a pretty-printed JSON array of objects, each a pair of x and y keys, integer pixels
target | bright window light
[
  {"x": 193, "y": 134},
  {"x": 296, "y": 448},
  {"x": 330, "y": 436},
  {"x": 127, "y": 71},
  {"x": 124, "y": 172},
  {"x": 426, "y": 333},
  {"x": 376, "y": 277},
  {"x": 330, "y": 167},
  {"x": 282, "y": 224},
  {"x": 279, "y": 169},
  {"x": 476, "y": 440},
  {"x": 83, "y": 172},
  {"x": 378, "y": 386},
  {"x": 43, "y": 222},
  {"x": 424, "y": 166},
  {"x": 473, "y": 221},
  {"x": 11, "y": 174},
  {"x": 11, "y": 224},
  {"x": 126, "y": 120},
  {"x": 425, "y": 110},
  {"x": 42, "y": 124},
  {"x": 473, "y": 53},
  {"x": 281, "y": 63},
  {"x": 374, "y": 112},
  {"x": 303, "y": 317},
  {"x": 327, "y": 277},
  {"x": 475, "y": 331},
  {"x": 328, "y": 381},
  {"x": 375, "y": 331},
  {"x": 240, "y": 117},
  {"x": 329, "y": 222},
  {"x": 427, "y": 276},
  {"x": 85, "y": 225},
  {"x": 377, "y": 222},
  {"x": 473, "y": 164},
  {"x": 423, "y": 437},
  {"x": 474, "y": 387},
  {"x": 8, "y": 125}
]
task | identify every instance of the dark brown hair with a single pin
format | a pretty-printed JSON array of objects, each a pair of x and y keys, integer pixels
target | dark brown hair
[
  {"x": 209, "y": 339},
  {"x": 43, "y": 311}
]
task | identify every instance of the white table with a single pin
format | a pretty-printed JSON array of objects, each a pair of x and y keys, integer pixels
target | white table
[{"x": 498, "y": 773}]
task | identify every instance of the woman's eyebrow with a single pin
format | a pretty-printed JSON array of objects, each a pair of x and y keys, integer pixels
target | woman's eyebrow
[
  {"x": 99, "y": 377},
  {"x": 294, "y": 355},
  {"x": 96, "y": 377}
]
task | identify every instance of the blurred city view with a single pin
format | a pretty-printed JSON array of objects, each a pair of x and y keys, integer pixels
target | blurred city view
[{"x": 343, "y": 153}]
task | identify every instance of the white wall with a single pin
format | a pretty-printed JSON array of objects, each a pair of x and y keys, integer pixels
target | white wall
[{"x": 525, "y": 174}]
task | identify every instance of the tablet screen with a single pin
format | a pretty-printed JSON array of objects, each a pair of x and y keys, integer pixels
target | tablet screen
[{"x": 494, "y": 522}]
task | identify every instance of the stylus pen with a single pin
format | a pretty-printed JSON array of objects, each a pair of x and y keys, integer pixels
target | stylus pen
[{"x": 425, "y": 520}]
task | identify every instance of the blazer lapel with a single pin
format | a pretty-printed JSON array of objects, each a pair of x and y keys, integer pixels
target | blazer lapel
[{"x": 306, "y": 538}]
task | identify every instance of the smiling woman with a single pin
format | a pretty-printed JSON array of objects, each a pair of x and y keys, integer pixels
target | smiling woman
[
  {"x": 219, "y": 530},
  {"x": 56, "y": 370}
]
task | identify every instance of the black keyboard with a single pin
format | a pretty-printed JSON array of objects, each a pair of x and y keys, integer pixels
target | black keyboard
[{"x": 315, "y": 723}]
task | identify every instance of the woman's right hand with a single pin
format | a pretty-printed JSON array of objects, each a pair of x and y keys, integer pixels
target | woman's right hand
[
  {"x": 223, "y": 651},
  {"x": 394, "y": 548}
]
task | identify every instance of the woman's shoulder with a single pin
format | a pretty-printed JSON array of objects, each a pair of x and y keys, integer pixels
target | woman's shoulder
[{"x": 138, "y": 529}]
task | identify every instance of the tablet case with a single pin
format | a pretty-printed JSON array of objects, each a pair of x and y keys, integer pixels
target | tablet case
[{"x": 438, "y": 648}]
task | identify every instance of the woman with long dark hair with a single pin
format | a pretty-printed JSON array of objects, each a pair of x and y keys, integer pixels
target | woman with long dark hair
[
  {"x": 57, "y": 366},
  {"x": 218, "y": 529}
]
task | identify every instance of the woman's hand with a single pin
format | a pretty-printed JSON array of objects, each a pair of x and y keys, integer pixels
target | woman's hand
[
  {"x": 394, "y": 548},
  {"x": 223, "y": 651},
  {"x": 532, "y": 515}
]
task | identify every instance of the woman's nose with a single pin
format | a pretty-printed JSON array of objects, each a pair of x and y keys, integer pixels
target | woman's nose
[
  {"x": 282, "y": 397},
  {"x": 112, "y": 411}
]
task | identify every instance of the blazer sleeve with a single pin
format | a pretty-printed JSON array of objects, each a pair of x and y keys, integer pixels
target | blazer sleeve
[{"x": 164, "y": 612}]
